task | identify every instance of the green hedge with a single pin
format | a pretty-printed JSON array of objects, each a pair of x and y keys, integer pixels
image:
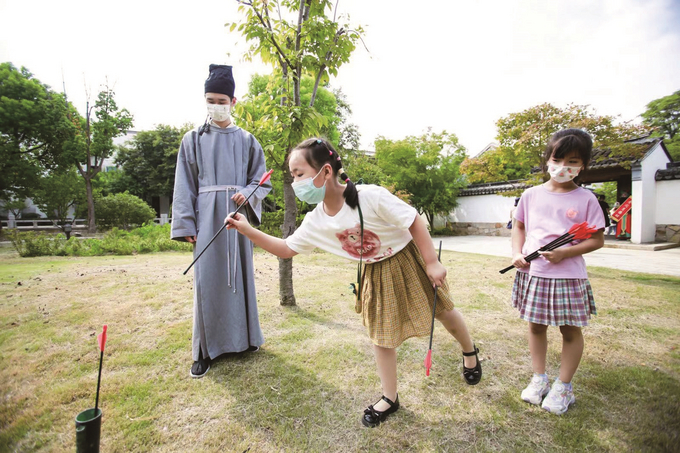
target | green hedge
[
  {"x": 122, "y": 210},
  {"x": 146, "y": 239}
]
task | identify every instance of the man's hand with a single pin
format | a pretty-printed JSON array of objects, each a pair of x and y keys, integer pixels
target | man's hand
[
  {"x": 190, "y": 239},
  {"x": 238, "y": 198}
]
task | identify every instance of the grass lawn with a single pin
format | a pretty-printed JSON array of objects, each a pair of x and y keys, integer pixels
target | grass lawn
[{"x": 305, "y": 390}]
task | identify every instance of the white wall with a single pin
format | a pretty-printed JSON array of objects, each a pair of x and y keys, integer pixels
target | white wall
[
  {"x": 643, "y": 228},
  {"x": 668, "y": 202},
  {"x": 483, "y": 208}
]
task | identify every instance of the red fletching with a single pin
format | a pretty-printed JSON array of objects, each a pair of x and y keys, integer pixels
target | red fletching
[
  {"x": 428, "y": 362},
  {"x": 266, "y": 176},
  {"x": 101, "y": 339},
  {"x": 585, "y": 232},
  {"x": 574, "y": 227}
]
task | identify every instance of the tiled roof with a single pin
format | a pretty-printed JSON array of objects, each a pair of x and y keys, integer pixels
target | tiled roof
[
  {"x": 492, "y": 188},
  {"x": 672, "y": 171},
  {"x": 602, "y": 158}
]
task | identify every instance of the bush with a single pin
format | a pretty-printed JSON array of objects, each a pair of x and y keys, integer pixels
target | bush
[
  {"x": 442, "y": 231},
  {"x": 149, "y": 238},
  {"x": 122, "y": 210}
]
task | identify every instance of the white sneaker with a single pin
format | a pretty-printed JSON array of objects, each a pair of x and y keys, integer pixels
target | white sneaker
[
  {"x": 559, "y": 399},
  {"x": 536, "y": 390}
]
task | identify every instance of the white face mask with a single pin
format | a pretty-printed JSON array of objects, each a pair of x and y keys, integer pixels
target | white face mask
[
  {"x": 562, "y": 173},
  {"x": 219, "y": 112}
]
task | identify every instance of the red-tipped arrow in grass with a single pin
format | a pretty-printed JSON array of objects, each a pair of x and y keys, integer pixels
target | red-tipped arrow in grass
[
  {"x": 428, "y": 357},
  {"x": 577, "y": 231},
  {"x": 264, "y": 179},
  {"x": 101, "y": 339}
]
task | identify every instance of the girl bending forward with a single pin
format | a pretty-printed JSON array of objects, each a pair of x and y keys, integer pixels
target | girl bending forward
[
  {"x": 554, "y": 290},
  {"x": 401, "y": 269}
]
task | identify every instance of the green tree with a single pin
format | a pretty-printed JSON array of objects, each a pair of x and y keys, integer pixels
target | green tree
[
  {"x": 296, "y": 38},
  {"x": 58, "y": 192},
  {"x": 111, "y": 182},
  {"x": 14, "y": 206},
  {"x": 360, "y": 166},
  {"x": 663, "y": 116},
  {"x": 427, "y": 168},
  {"x": 608, "y": 189},
  {"x": 500, "y": 164},
  {"x": 523, "y": 137},
  {"x": 350, "y": 137},
  {"x": 148, "y": 162},
  {"x": 94, "y": 142},
  {"x": 330, "y": 104},
  {"x": 34, "y": 128}
]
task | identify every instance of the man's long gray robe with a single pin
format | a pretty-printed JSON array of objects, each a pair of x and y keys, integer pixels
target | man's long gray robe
[{"x": 211, "y": 168}]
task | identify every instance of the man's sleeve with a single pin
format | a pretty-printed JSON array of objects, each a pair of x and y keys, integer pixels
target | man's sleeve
[{"x": 186, "y": 190}]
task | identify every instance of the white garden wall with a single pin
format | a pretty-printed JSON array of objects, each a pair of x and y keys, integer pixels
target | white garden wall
[
  {"x": 483, "y": 208},
  {"x": 668, "y": 202}
]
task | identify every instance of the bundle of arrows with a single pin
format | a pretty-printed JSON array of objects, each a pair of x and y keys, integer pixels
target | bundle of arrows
[{"x": 578, "y": 231}]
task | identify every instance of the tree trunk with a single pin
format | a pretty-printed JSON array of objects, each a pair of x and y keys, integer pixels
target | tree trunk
[
  {"x": 286, "y": 292},
  {"x": 91, "y": 227},
  {"x": 430, "y": 220}
]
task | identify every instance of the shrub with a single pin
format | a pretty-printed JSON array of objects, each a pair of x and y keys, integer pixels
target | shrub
[
  {"x": 122, "y": 210},
  {"x": 149, "y": 238},
  {"x": 442, "y": 231}
]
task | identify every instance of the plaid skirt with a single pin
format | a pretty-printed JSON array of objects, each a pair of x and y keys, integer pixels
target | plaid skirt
[
  {"x": 397, "y": 298},
  {"x": 553, "y": 301}
]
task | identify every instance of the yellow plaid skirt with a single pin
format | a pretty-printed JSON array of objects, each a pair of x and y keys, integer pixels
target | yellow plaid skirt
[{"x": 397, "y": 298}]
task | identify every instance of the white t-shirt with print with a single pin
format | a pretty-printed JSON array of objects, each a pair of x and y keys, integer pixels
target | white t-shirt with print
[{"x": 387, "y": 220}]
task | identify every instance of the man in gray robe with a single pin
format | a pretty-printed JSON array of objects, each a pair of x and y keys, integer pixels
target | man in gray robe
[{"x": 218, "y": 166}]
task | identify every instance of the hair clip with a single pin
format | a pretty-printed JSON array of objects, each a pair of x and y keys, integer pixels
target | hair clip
[
  {"x": 319, "y": 141},
  {"x": 330, "y": 152},
  {"x": 338, "y": 158}
]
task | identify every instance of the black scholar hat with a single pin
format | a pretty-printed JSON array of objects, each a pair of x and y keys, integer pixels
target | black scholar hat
[{"x": 220, "y": 80}]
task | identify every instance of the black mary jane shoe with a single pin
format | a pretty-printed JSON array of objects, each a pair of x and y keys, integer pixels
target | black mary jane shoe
[
  {"x": 472, "y": 375},
  {"x": 373, "y": 418}
]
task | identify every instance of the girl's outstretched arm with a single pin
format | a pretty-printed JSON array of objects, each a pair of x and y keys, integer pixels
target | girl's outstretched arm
[
  {"x": 435, "y": 270},
  {"x": 271, "y": 244},
  {"x": 595, "y": 242}
]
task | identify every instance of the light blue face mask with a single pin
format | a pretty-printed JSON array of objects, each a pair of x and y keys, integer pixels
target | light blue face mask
[{"x": 306, "y": 191}]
